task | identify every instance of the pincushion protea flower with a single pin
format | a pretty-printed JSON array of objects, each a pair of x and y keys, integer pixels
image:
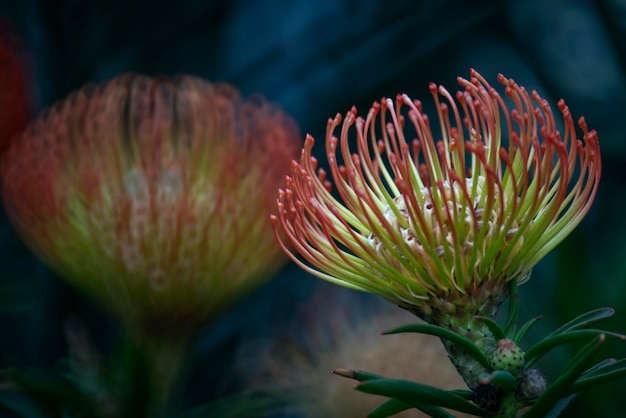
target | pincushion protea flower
[
  {"x": 435, "y": 219},
  {"x": 440, "y": 221},
  {"x": 152, "y": 195}
]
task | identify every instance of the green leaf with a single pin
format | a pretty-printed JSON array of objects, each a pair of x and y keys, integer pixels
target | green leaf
[
  {"x": 445, "y": 334},
  {"x": 606, "y": 372},
  {"x": 525, "y": 328},
  {"x": 493, "y": 326},
  {"x": 604, "y": 363},
  {"x": 500, "y": 378},
  {"x": 359, "y": 375},
  {"x": 413, "y": 392},
  {"x": 394, "y": 406},
  {"x": 388, "y": 408},
  {"x": 561, "y": 406},
  {"x": 511, "y": 321},
  {"x": 585, "y": 319},
  {"x": 463, "y": 393},
  {"x": 433, "y": 411},
  {"x": 561, "y": 387},
  {"x": 541, "y": 348}
]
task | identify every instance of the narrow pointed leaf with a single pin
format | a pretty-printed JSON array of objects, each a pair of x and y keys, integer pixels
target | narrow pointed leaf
[
  {"x": 413, "y": 392},
  {"x": 445, "y": 334},
  {"x": 585, "y": 320},
  {"x": 493, "y": 326},
  {"x": 511, "y": 321},
  {"x": 463, "y": 393},
  {"x": 542, "y": 347},
  {"x": 525, "y": 328},
  {"x": 561, "y": 406},
  {"x": 433, "y": 411},
  {"x": 359, "y": 375},
  {"x": 607, "y": 373},
  {"x": 561, "y": 387},
  {"x": 394, "y": 406},
  {"x": 389, "y": 408},
  {"x": 598, "y": 367}
]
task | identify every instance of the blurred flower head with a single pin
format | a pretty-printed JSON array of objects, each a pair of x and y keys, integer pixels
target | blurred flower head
[
  {"x": 152, "y": 194},
  {"x": 327, "y": 335},
  {"x": 429, "y": 215},
  {"x": 14, "y": 103}
]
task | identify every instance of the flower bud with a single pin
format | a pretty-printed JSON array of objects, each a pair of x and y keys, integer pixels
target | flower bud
[
  {"x": 507, "y": 356},
  {"x": 531, "y": 385}
]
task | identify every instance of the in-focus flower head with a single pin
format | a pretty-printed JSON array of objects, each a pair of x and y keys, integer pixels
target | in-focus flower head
[
  {"x": 437, "y": 215},
  {"x": 152, "y": 194}
]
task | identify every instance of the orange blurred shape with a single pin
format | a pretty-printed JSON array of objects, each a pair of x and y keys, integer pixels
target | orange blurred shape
[{"x": 14, "y": 106}]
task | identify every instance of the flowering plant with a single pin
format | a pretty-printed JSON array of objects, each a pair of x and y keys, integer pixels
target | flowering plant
[
  {"x": 446, "y": 223},
  {"x": 145, "y": 193},
  {"x": 151, "y": 195}
]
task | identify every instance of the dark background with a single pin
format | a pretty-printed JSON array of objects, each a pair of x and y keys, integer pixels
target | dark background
[{"x": 316, "y": 58}]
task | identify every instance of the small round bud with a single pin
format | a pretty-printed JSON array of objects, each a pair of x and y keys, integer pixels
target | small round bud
[
  {"x": 507, "y": 356},
  {"x": 531, "y": 385}
]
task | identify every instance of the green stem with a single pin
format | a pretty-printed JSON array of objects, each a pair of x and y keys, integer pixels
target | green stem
[
  {"x": 468, "y": 367},
  {"x": 163, "y": 359},
  {"x": 510, "y": 406},
  {"x": 461, "y": 314},
  {"x": 153, "y": 370},
  {"x": 471, "y": 369}
]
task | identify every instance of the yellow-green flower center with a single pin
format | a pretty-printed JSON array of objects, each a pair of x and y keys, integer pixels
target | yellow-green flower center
[{"x": 480, "y": 223}]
